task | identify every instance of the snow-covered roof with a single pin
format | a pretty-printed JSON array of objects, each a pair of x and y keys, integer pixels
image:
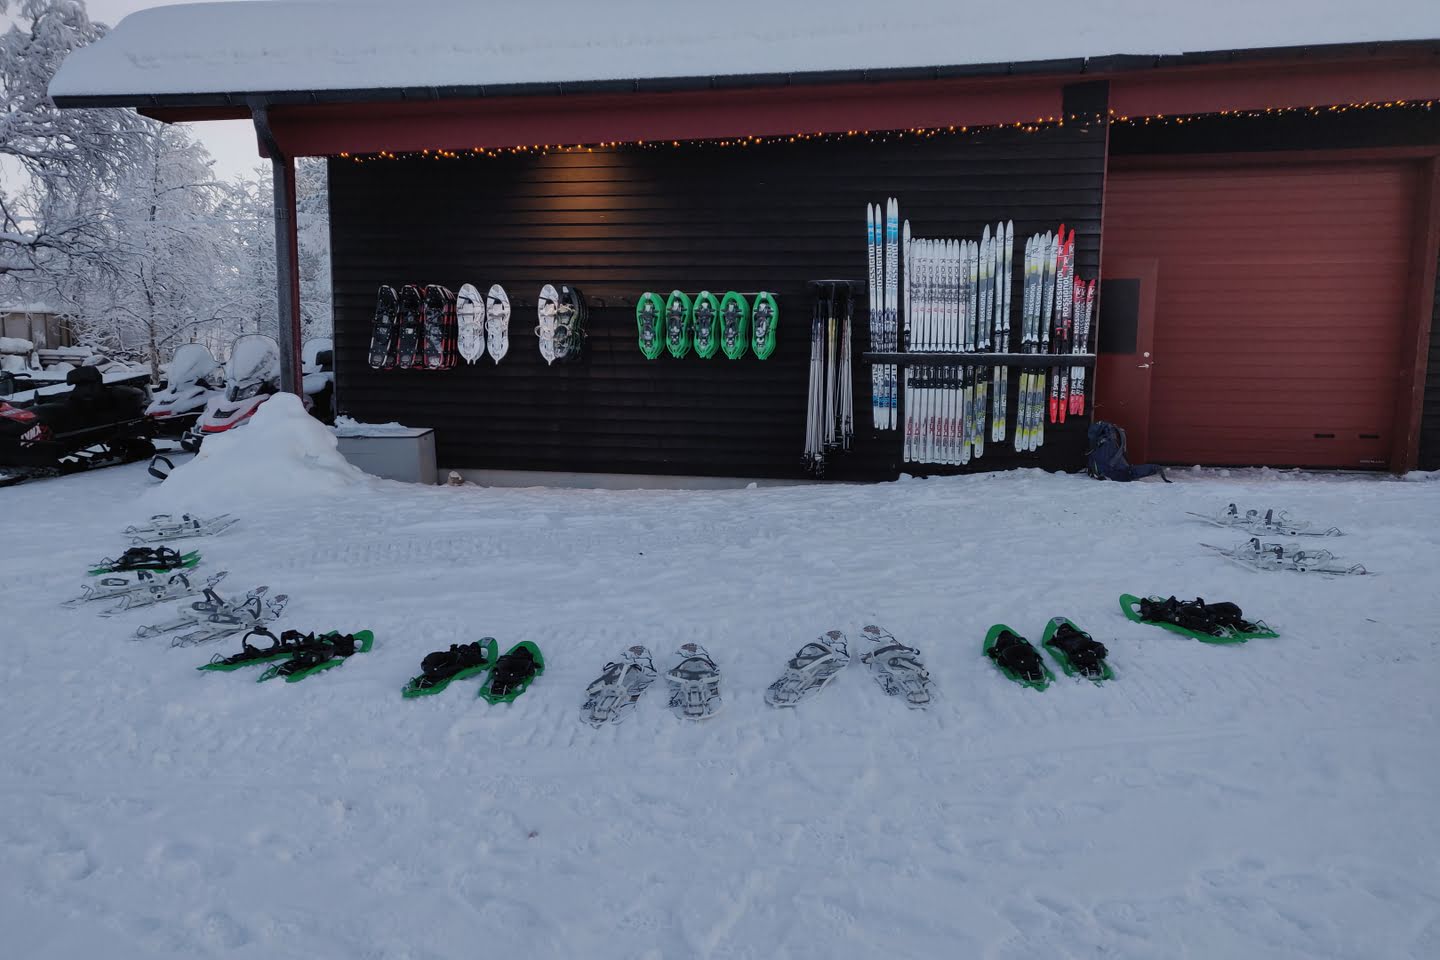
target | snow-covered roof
[{"x": 335, "y": 45}]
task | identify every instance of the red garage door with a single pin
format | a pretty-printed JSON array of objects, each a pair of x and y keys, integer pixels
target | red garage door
[{"x": 1278, "y": 307}]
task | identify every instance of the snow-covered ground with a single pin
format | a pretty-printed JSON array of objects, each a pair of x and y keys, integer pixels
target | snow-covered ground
[{"x": 1275, "y": 799}]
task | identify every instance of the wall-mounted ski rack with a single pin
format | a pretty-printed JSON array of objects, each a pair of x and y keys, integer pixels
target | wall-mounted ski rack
[{"x": 1035, "y": 361}]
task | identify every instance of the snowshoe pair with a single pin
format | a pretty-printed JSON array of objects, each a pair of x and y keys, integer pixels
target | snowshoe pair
[
  {"x": 508, "y": 676},
  {"x": 147, "y": 558},
  {"x": 1078, "y": 653},
  {"x": 300, "y": 654},
  {"x": 1206, "y": 622},
  {"x": 694, "y": 683},
  {"x": 898, "y": 669}
]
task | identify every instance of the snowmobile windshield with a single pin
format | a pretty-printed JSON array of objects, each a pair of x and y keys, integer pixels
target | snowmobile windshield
[
  {"x": 255, "y": 359},
  {"x": 192, "y": 363}
]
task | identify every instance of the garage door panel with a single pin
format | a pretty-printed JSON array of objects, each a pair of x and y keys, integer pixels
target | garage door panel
[{"x": 1279, "y": 307}]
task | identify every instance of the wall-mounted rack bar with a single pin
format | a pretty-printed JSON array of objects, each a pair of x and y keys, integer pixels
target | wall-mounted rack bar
[{"x": 1037, "y": 361}]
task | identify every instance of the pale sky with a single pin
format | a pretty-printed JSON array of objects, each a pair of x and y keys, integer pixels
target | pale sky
[{"x": 230, "y": 142}]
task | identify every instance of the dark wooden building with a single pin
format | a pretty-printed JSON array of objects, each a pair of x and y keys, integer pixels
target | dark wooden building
[{"x": 1266, "y": 224}]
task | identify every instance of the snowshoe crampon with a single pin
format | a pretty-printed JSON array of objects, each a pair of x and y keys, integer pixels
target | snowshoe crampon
[
  {"x": 810, "y": 670},
  {"x": 1206, "y": 622},
  {"x": 898, "y": 668},
  {"x": 694, "y": 684},
  {"x": 1078, "y": 653},
  {"x": 1017, "y": 658},
  {"x": 512, "y": 673},
  {"x": 443, "y": 667},
  {"x": 147, "y": 558},
  {"x": 612, "y": 696},
  {"x": 320, "y": 654}
]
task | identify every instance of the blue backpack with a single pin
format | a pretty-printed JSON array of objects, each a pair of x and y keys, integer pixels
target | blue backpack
[{"x": 1106, "y": 457}]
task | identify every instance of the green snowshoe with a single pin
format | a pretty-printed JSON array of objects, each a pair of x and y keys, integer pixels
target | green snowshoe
[
  {"x": 764, "y": 319},
  {"x": 336, "y": 649},
  {"x": 1206, "y": 622},
  {"x": 649, "y": 311},
  {"x": 1078, "y": 653},
  {"x": 147, "y": 558},
  {"x": 677, "y": 324},
  {"x": 512, "y": 673},
  {"x": 734, "y": 325},
  {"x": 443, "y": 667},
  {"x": 705, "y": 324},
  {"x": 1017, "y": 658},
  {"x": 287, "y": 645}
]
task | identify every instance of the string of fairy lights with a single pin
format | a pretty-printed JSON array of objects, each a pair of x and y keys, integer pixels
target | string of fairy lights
[{"x": 1112, "y": 118}]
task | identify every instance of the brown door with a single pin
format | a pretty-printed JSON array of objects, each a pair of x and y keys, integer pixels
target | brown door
[
  {"x": 1126, "y": 352},
  {"x": 1279, "y": 307}
]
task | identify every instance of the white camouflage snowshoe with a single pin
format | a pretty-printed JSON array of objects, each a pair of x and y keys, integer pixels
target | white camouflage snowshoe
[
  {"x": 612, "y": 696},
  {"x": 163, "y": 527},
  {"x": 497, "y": 322},
  {"x": 214, "y": 617},
  {"x": 112, "y": 585},
  {"x": 694, "y": 684},
  {"x": 1277, "y": 556},
  {"x": 470, "y": 321},
  {"x": 177, "y": 587},
  {"x": 810, "y": 670},
  {"x": 1268, "y": 523},
  {"x": 898, "y": 668}
]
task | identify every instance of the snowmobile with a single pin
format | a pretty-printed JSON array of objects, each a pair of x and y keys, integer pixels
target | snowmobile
[
  {"x": 252, "y": 376},
  {"x": 94, "y": 425},
  {"x": 189, "y": 387}
]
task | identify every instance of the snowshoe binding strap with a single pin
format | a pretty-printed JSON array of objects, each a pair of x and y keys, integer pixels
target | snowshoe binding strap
[
  {"x": 1216, "y": 619},
  {"x": 145, "y": 558},
  {"x": 316, "y": 652},
  {"x": 443, "y": 665},
  {"x": 250, "y": 653},
  {"x": 1017, "y": 655},
  {"x": 1085, "y": 653},
  {"x": 511, "y": 670}
]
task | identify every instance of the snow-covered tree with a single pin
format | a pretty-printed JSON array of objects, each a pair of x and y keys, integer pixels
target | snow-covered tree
[{"x": 67, "y": 161}]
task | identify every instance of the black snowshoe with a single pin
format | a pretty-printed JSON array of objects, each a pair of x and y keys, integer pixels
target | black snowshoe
[
  {"x": 1210, "y": 622},
  {"x": 147, "y": 558},
  {"x": 441, "y": 668},
  {"x": 288, "y": 644},
  {"x": 1078, "y": 653},
  {"x": 410, "y": 319},
  {"x": 1016, "y": 655},
  {"x": 382, "y": 332}
]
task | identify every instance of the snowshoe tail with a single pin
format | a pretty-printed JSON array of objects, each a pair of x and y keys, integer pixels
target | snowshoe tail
[
  {"x": 1076, "y": 651},
  {"x": 1017, "y": 658}
]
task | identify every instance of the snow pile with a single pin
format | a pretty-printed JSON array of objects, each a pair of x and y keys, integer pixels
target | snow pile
[
  {"x": 281, "y": 454},
  {"x": 229, "y": 47},
  {"x": 350, "y": 427},
  {"x": 15, "y": 345}
]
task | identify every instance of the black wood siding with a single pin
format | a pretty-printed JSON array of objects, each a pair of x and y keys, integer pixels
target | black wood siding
[{"x": 618, "y": 222}]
